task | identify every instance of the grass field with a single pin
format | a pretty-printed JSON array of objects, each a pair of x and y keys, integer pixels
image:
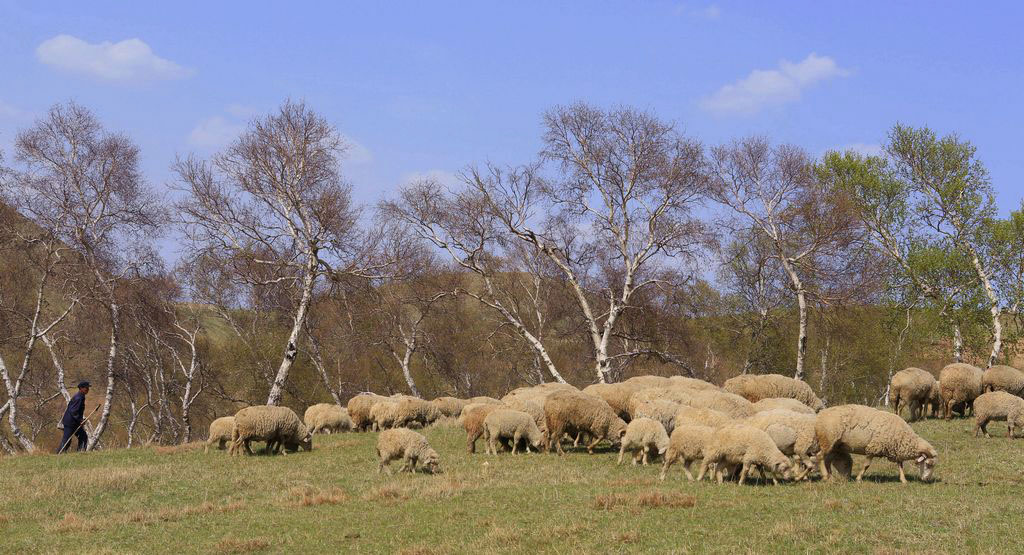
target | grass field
[{"x": 158, "y": 500}]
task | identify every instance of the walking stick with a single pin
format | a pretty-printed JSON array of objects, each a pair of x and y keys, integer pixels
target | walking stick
[{"x": 84, "y": 420}]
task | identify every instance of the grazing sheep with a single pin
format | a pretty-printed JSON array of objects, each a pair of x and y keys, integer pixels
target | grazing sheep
[
  {"x": 686, "y": 444},
  {"x": 327, "y": 417},
  {"x": 911, "y": 387},
  {"x": 512, "y": 425},
  {"x": 384, "y": 413},
  {"x": 680, "y": 395},
  {"x": 960, "y": 383},
  {"x": 275, "y": 425},
  {"x": 415, "y": 410},
  {"x": 744, "y": 445},
  {"x": 1003, "y": 378},
  {"x": 449, "y": 406},
  {"x": 642, "y": 435},
  {"x": 935, "y": 400},
  {"x": 731, "y": 404},
  {"x": 473, "y": 422},
  {"x": 359, "y": 410},
  {"x": 220, "y": 432},
  {"x": 701, "y": 417},
  {"x": 793, "y": 433},
  {"x": 649, "y": 381},
  {"x": 692, "y": 383},
  {"x": 784, "y": 403},
  {"x": 568, "y": 411},
  {"x": 534, "y": 408},
  {"x": 862, "y": 430},
  {"x": 754, "y": 387},
  {"x": 998, "y": 405},
  {"x": 661, "y": 410},
  {"x": 410, "y": 446},
  {"x": 617, "y": 395},
  {"x": 483, "y": 399}
]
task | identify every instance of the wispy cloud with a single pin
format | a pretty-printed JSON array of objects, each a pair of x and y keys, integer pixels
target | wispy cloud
[
  {"x": 772, "y": 87},
  {"x": 710, "y": 12},
  {"x": 130, "y": 60},
  {"x": 356, "y": 153}
]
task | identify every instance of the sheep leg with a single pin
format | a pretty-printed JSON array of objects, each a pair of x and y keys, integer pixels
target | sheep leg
[
  {"x": 248, "y": 448},
  {"x": 867, "y": 463},
  {"x": 703, "y": 469},
  {"x": 743, "y": 472},
  {"x": 825, "y": 462},
  {"x": 903, "y": 476},
  {"x": 515, "y": 442},
  {"x": 590, "y": 448},
  {"x": 646, "y": 451},
  {"x": 669, "y": 459},
  {"x": 622, "y": 453},
  {"x": 686, "y": 469}
]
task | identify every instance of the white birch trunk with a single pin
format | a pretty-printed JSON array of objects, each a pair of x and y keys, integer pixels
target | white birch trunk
[
  {"x": 801, "y": 299},
  {"x": 292, "y": 350},
  {"x": 108, "y": 396},
  {"x": 958, "y": 343}
]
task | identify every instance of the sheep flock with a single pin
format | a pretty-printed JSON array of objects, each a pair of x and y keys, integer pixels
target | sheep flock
[{"x": 767, "y": 424}]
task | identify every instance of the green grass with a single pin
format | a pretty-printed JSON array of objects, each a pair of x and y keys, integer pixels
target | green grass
[{"x": 157, "y": 500}]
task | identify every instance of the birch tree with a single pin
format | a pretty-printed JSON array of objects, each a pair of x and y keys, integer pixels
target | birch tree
[
  {"x": 275, "y": 208},
  {"x": 620, "y": 204},
  {"x": 83, "y": 184}
]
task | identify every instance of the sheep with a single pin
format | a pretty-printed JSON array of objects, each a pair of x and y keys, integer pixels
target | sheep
[
  {"x": 275, "y": 425},
  {"x": 871, "y": 432},
  {"x": 793, "y": 433},
  {"x": 998, "y": 405},
  {"x": 935, "y": 399},
  {"x": 359, "y": 410},
  {"x": 327, "y": 417},
  {"x": 415, "y": 410},
  {"x": 567, "y": 411},
  {"x": 692, "y": 383},
  {"x": 680, "y": 395},
  {"x": 959, "y": 383},
  {"x": 754, "y": 387},
  {"x": 687, "y": 444},
  {"x": 731, "y": 404},
  {"x": 534, "y": 408},
  {"x": 649, "y": 381},
  {"x": 220, "y": 432},
  {"x": 483, "y": 399},
  {"x": 617, "y": 395},
  {"x": 661, "y": 410},
  {"x": 744, "y": 445},
  {"x": 785, "y": 403},
  {"x": 473, "y": 416},
  {"x": 1003, "y": 378},
  {"x": 911, "y": 387},
  {"x": 449, "y": 406},
  {"x": 384, "y": 413},
  {"x": 410, "y": 446},
  {"x": 512, "y": 425},
  {"x": 703, "y": 417},
  {"x": 642, "y": 435}
]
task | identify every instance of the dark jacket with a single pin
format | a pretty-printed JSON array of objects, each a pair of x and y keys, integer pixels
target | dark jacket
[{"x": 75, "y": 412}]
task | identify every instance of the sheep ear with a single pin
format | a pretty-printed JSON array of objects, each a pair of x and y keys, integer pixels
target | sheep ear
[{"x": 922, "y": 458}]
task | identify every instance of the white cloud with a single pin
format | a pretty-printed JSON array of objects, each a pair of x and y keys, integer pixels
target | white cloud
[
  {"x": 355, "y": 152},
  {"x": 444, "y": 177},
  {"x": 772, "y": 87},
  {"x": 124, "y": 61},
  {"x": 215, "y": 132}
]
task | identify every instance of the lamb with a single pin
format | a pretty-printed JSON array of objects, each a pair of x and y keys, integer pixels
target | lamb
[
  {"x": 1003, "y": 378},
  {"x": 643, "y": 435},
  {"x": 534, "y": 408},
  {"x": 785, "y": 403},
  {"x": 415, "y": 410},
  {"x": 617, "y": 395},
  {"x": 793, "y": 433},
  {"x": 384, "y": 413},
  {"x": 744, "y": 445},
  {"x": 220, "y": 432},
  {"x": 410, "y": 446},
  {"x": 755, "y": 387},
  {"x": 327, "y": 417},
  {"x": 449, "y": 406},
  {"x": 661, "y": 410},
  {"x": 473, "y": 422},
  {"x": 998, "y": 405},
  {"x": 686, "y": 444},
  {"x": 959, "y": 383},
  {"x": 702, "y": 417},
  {"x": 731, "y": 404},
  {"x": 568, "y": 411},
  {"x": 359, "y": 410},
  {"x": 275, "y": 425},
  {"x": 512, "y": 425},
  {"x": 871, "y": 432},
  {"x": 911, "y": 387}
]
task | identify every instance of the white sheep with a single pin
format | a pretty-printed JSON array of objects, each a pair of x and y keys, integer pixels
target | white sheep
[
  {"x": 1003, "y": 378},
  {"x": 998, "y": 405},
  {"x": 384, "y": 413},
  {"x": 277, "y": 426},
  {"x": 960, "y": 384},
  {"x": 702, "y": 417},
  {"x": 863, "y": 430},
  {"x": 794, "y": 434},
  {"x": 642, "y": 436},
  {"x": 687, "y": 444},
  {"x": 572, "y": 412},
  {"x": 327, "y": 417},
  {"x": 410, "y": 446},
  {"x": 744, "y": 445},
  {"x": 359, "y": 410},
  {"x": 911, "y": 387},
  {"x": 512, "y": 425},
  {"x": 785, "y": 403},
  {"x": 755, "y": 387},
  {"x": 662, "y": 410},
  {"x": 220, "y": 432},
  {"x": 412, "y": 410}
]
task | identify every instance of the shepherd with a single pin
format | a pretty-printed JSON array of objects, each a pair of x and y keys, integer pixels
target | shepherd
[{"x": 73, "y": 420}]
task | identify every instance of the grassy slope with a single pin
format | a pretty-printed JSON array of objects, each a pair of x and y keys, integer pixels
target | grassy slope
[{"x": 160, "y": 500}]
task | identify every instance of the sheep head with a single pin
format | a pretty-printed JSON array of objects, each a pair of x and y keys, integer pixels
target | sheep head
[
  {"x": 431, "y": 462},
  {"x": 926, "y": 459}
]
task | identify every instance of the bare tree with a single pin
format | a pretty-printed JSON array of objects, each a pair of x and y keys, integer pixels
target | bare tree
[
  {"x": 275, "y": 208},
  {"x": 83, "y": 184}
]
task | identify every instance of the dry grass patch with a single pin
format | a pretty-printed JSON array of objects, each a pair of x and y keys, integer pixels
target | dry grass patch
[
  {"x": 387, "y": 493},
  {"x": 420, "y": 550},
  {"x": 175, "y": 449},
  {"x": 234, "y": 545},
  {"x": 73, "y": 522},
  {"x": 308, "y": 496},
  {"x": 645, "y": 500},
  {"x": 4, "y": 519},
  {"x": 69, "y": 482},
  {"x": 627, "y": 537}
]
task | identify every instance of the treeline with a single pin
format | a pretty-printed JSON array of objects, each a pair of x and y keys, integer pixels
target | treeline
[{"x": 625, "y": 247}]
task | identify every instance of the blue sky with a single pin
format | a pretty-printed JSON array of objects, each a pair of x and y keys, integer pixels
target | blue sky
[{"x": 428, "y": 87}]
